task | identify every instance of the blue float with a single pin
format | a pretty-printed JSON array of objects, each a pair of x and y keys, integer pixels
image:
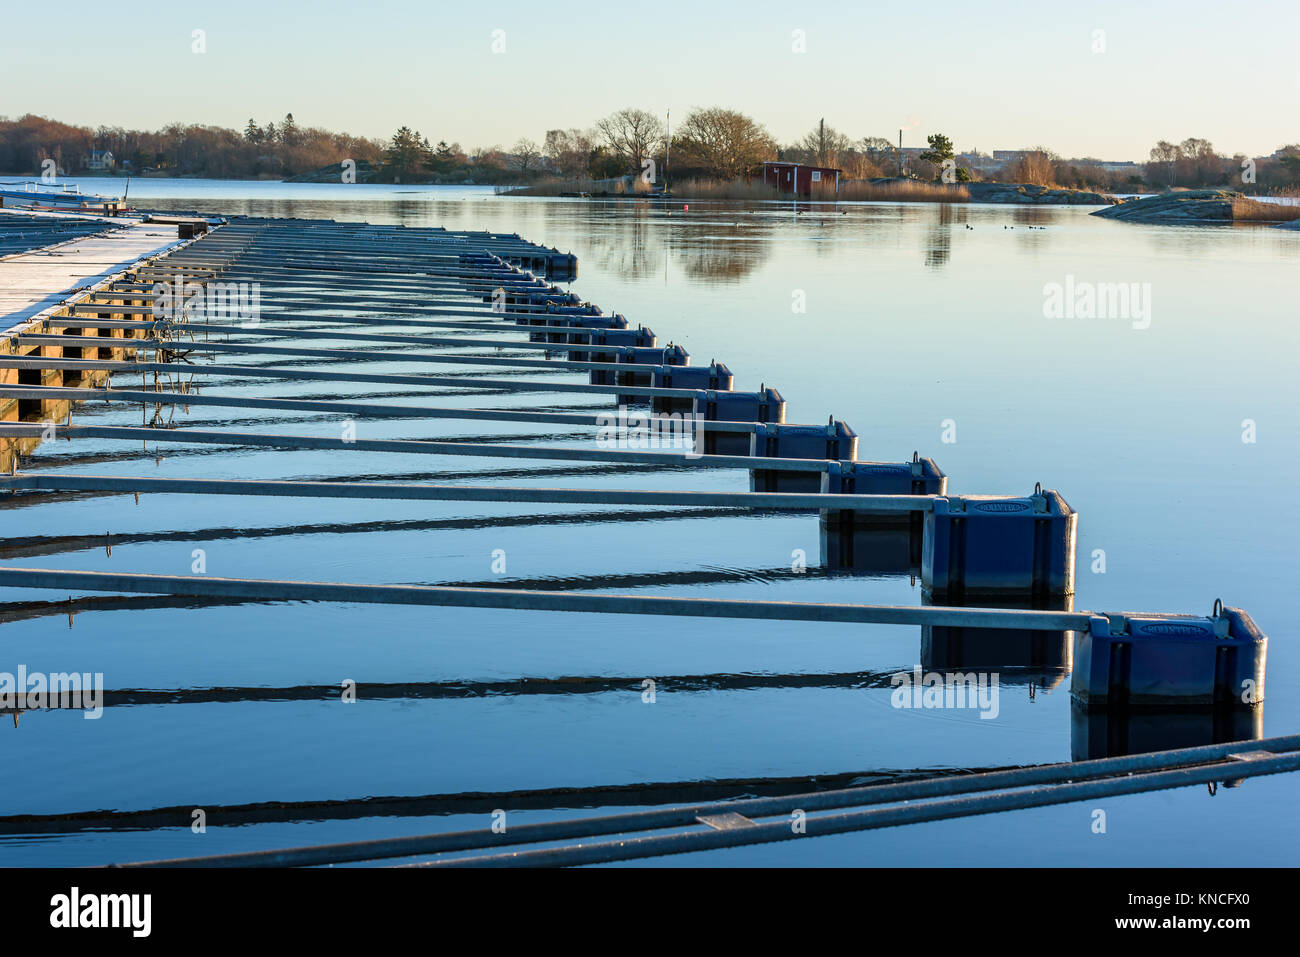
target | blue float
[
  {"x": 990, "y": 545},
  {"x": 670, "y": 354},
  {"x": 616, "y": 339},
  {"x": 918, "y": 477},
  {"x": 835, "y": 440},
  {"x": 765, "y": 405},
  {"x": 548, "y": 320},
  {"x": 865, "y": 543},
  {"x": 1141, "y": 661},
  {"x": 714, "y": 377},
  {"x": 537, "y": 300},
  {"x": 562, "y": 266}
]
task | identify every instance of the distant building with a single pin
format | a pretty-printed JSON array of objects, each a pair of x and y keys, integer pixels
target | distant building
[
  {"x": 800, "y": 179},
  {"x": 1110, "y": 166},
  {"x": 99, "y": 160},
  {"x": 977, "y": 162}
]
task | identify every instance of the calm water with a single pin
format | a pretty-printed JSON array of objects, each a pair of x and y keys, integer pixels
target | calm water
[{"x": 911, "y": 319}]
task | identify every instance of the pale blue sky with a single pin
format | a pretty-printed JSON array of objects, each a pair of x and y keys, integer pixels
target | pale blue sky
[{"x": 990, "y": 75}]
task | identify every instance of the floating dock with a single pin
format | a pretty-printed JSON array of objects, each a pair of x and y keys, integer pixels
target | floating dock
[{"x": 171, "y": 302}]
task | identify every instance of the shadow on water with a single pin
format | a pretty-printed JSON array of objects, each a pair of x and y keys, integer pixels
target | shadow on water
[{"x": 567, "y": 798}]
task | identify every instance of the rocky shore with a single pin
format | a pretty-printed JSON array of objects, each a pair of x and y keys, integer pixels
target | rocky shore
[
  {"x": 1202, "y": 206},
  {"x": 1189, "y": 206},
  {"x": 1029, "y": 194}
]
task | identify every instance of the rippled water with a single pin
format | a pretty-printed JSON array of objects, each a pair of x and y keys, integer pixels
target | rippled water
[{"x": 914, "y": 315}]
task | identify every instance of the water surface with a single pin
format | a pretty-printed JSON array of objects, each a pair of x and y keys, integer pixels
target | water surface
[{"x": 915, "y": 319}]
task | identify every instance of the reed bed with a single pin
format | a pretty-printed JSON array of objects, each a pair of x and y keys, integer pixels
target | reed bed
[
  {"x": 1245, "y": 210},
  {"x": 904, "y": 191}
]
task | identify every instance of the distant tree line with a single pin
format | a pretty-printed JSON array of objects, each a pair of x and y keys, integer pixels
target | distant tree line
[
  {"x": 270, "y": 151},
  {"x": 1195, "y": 162},
  {"x": 1191, "y": 164},
  {"x": 708, "y": 143}
]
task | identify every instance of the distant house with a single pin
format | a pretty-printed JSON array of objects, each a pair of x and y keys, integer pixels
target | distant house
[
  {"x": 799, "y": 179},
  {"x": 99, "y": 160}
]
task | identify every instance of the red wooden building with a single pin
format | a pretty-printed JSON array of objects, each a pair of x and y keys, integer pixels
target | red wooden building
[{"x": 800, "y": 179}]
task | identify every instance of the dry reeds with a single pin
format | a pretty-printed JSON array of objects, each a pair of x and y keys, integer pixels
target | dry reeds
[
  {"x": 904, "y": 191},
  {"x": 1245, "y": 210}
]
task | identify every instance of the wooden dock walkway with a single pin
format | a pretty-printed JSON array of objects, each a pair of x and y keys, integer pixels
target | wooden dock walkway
[
  {"x": 39, "y": 280},
  {"x": 37, "y": 285}
]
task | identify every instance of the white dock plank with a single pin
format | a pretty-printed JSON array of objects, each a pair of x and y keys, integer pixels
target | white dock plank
[{"x": 37, "y": 281}]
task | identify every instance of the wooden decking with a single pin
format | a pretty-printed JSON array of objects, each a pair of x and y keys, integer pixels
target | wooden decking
[
  {"x": 37, "y": 288},
  {"x": 36, "y": 282}
]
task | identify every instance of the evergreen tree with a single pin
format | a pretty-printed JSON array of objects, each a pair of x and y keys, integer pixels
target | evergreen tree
[
  {"x": 407, "y": 154},
  {"x": 940, "y": 149}
]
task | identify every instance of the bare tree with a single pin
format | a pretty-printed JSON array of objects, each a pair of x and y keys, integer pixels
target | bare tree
[
  {"x": 1199, "y": 164},
  {"x": 1164, "y": 162},
  {"x": 633, "y": 135},
  {"x": 569, "y": 152},
  {"x": 1036, "y": 166},
  {"x": 823, "y": 146},
  {"x": 526, "y": 157},
  {"x": 723, "y": 142}
]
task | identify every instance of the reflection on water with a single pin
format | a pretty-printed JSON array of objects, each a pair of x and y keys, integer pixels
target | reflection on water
[
  {"x": 1040, "y": 658},
  {"x": 1107, "y": 734},
  {"x": 939, "y": 246},
  {"x": 705, "y": 260},
  {"x": 873, "y": 545}
]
